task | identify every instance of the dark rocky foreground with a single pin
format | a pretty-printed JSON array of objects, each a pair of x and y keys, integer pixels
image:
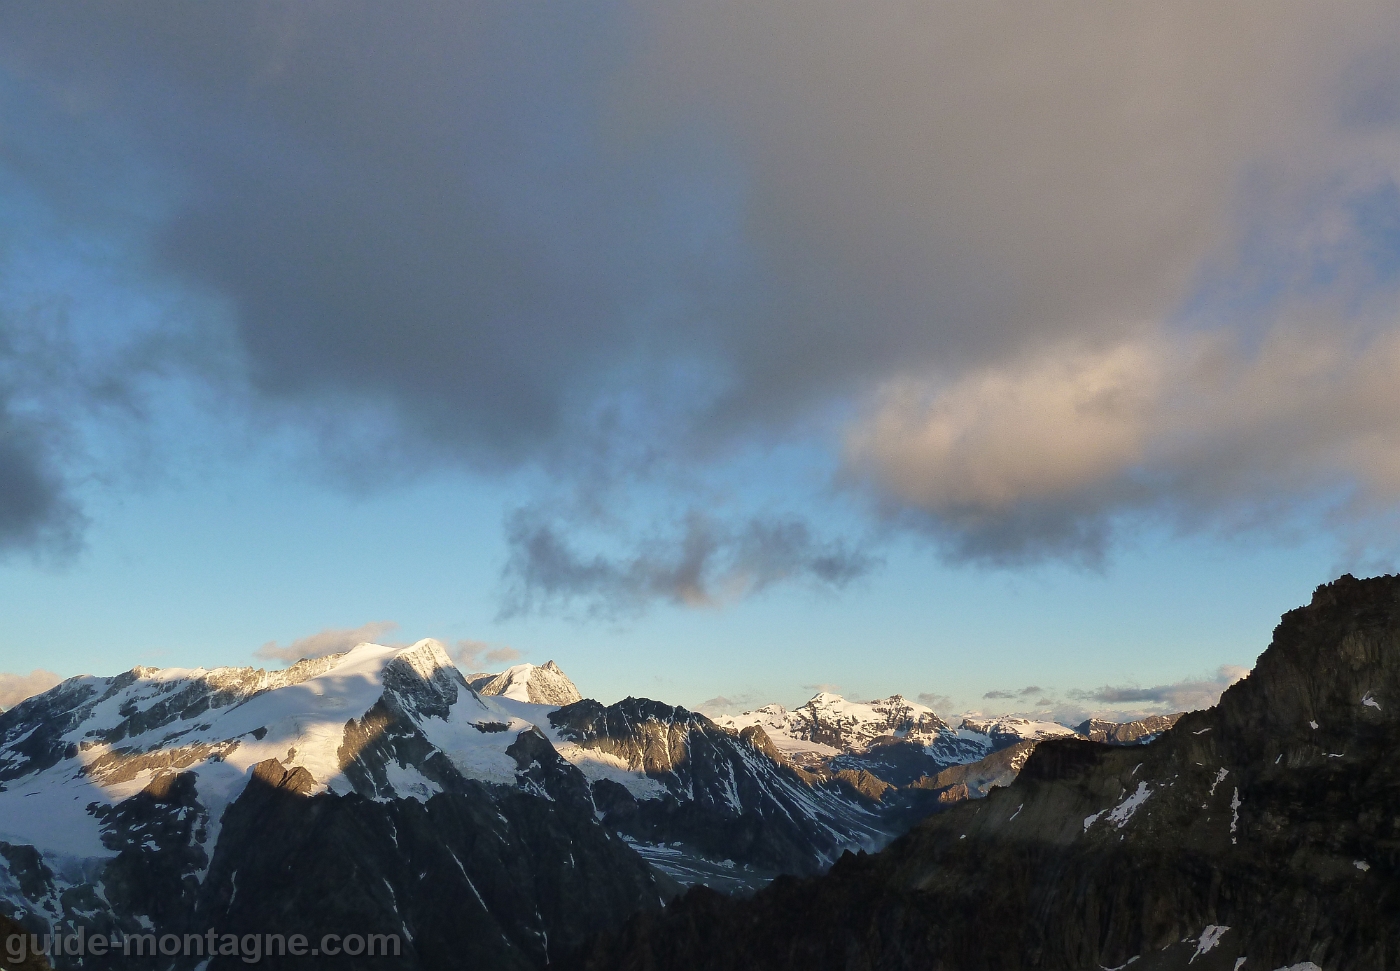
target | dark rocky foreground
[{"x": 1266, "y": 829}]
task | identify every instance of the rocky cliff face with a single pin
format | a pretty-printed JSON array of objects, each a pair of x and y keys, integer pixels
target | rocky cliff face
[{"x": 1262, "y": 833}]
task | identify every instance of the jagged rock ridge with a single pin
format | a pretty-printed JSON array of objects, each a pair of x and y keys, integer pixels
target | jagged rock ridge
[{"x": 1262, "y": 833}]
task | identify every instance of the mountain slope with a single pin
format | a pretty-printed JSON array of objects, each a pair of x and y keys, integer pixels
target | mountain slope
[
  {"x": 1264, "y": 829},
  {"x": 691, "y": 794}
]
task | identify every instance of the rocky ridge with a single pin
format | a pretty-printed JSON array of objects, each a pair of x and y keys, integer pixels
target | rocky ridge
[{"x": 1261, "y": 833}]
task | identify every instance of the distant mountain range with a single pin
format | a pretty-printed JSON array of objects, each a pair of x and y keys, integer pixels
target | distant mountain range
[{"x": 904, "y": 743}]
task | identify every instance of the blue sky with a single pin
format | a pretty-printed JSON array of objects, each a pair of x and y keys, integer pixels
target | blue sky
[{"x": 718, "y": 353}]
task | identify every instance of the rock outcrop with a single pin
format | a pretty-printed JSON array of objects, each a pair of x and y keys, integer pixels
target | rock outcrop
[{"x": 1260, "y": 834}]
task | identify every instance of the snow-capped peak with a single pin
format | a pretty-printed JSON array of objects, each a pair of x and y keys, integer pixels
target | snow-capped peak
[
  {"x": 105, "y": 739},
  {"x": 543, "y": 684}
]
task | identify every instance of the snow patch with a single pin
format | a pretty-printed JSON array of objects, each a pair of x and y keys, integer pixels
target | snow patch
[
  {"x": 1361, "y": 865},
  {"x": 1219, "y": 778},
  {"x": 1209, "y": 938},
  {"x": 1121, "y": 813},
  {"x": 1368, "y": 700}
]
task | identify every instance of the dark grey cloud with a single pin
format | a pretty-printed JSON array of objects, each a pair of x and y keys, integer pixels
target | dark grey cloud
[
  {"x": 413, "y": 210},
  {"x": 999, "y": 695},
  {"x": 706, "y": 563},
  {"x": 42, "y": 393},
  {"x": 37, "y": 514},
  {"x": 626, "y": 241}
]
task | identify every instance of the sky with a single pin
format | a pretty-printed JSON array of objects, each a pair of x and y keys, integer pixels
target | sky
[{"x": 1011, "y": 357}]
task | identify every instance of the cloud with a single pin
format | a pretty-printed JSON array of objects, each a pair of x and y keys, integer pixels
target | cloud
[
  {"x": 1042, "y": 457},
  {"x": 1024, "y": 692},
  {"x": 1179, "y": 696},
  {"x": 1060, "y": 269},
  {"x": 718, "y": 705},
  {"x": 942, "y": 704},
  {"x": 471, "y": 655},
  {"x": 707, "y": 564},
  {"x": 332, "y": 640},
  {"x": 14, "y": 688},
  {"x": 36, "y": 511}
]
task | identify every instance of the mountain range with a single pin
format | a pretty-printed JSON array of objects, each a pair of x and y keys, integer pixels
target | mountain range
[{"x": 493, "y": 821}]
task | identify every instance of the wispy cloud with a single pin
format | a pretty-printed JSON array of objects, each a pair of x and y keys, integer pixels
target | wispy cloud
[
  {"x": 705, "y": 564},
  {"x": 471, "y": 655},
  {"x": 332, "y": 640},
  {"x": 14, "y": 688}
]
